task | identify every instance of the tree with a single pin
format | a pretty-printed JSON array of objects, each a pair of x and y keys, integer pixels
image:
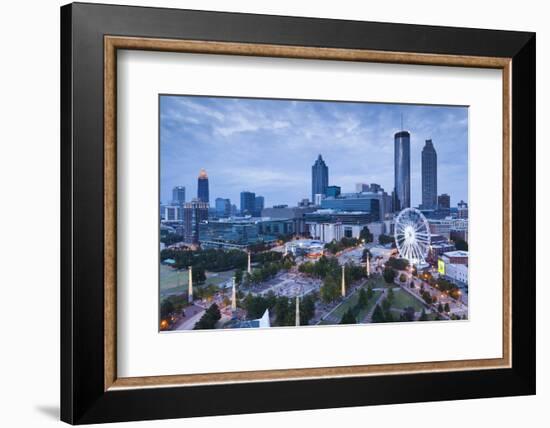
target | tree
[
  {"x": 370, "y": 292},
  {"x": 348, "y": 318},
  {"x": 461, "y": 244},
  {"x": 366, "y": 235},
  {"x": 423, "y": 316},
  {"x": 329, "y": 290},
  {"x": 199, "y": 275},
  {"x": 307, "y": 309},
  {"x": 385, "y": 239},
  {"x": 407, "y": 314},
  {"x": 238, "y": 276},
  {"x": 427, "y": 297},
  {"x": 389, "y": 274},
  {"x": 366, "y": 254},
  {"x": 209, "y": 319},
  {"x": 378, "y": 315},
  {"x": 447, "y": 308},
  {"x": 283, "y": 311},
  {"x": 398, "y": 264},
  {"x": 391, "y": 296},
  {"x": 166, "y": 308},
  {"x": 362, "y": 300}
]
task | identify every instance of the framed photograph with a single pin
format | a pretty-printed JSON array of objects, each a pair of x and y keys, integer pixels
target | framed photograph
[{"x": 291, "y": 213}]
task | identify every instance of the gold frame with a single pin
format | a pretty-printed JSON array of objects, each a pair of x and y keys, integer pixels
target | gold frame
[{"x": 113, "y": 43}]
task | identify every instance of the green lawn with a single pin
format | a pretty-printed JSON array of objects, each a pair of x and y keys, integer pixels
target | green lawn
[
  {"x": 378, "y": 282},
  {"x": 173, "y": 281},
  {"x": 370, "y": 305},
  {"x": 217, "y": 278},
  {"x": 350, "y": 303},
  {"x": 403, "y": 299}
]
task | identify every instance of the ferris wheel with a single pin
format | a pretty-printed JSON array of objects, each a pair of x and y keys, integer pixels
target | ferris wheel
[{"x": 412, "y": 235}]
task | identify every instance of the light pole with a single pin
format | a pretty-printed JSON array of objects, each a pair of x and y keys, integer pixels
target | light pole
[
  {"x": 190, "y": 288},
  {"x": 343, "y": 281}
]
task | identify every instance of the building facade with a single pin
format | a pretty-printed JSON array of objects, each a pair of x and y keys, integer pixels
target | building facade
[
  {"x": 429, "y": 176},
  {"x": 223, "y": 207},
  {"x": 333, "y": 191},
  {"x": 462, "y": 209},
  {"x": 178, "y": 195},
  {"x": 194, "y": 213},
  {"x": 228, "y": 233},
  {"x": 319, "y": 178},
  {"x": 173, "y": 213},
  {"x": 326, "y": 232},
  {"x": 248, "y": 203},
  {"x": 296, "y": 214},
  {"x": 444, "y": 202},
  {"x": 259, "y": 203},
  {"x": 402, "y": 170},
  {"x": 203, "y": 193},
  {"x": 372, "y": 203}
]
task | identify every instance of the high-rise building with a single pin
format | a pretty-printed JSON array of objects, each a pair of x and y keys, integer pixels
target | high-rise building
[
  {"x": 362, "y": 187},
  {"x": 223, "y": 207},
  {"x": 202, "y": 187},
  {"x": 194, "y": 213},
  {"x": 375, "y": 188},
  {"x": 402, "y": 169},
  {"x": 248, "y": 203},
  {"x": 429, "y": 176},
  {"x": 259, "y": 203},
  {"x": 444, "y": 202},
  {"x": 178, "y": 195},
  {"x": 319, "y": 178},
  {"x": 462, "y": 209}
]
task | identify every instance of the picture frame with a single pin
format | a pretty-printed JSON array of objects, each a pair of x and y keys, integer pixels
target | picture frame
[{"x": 91, "y": 390}]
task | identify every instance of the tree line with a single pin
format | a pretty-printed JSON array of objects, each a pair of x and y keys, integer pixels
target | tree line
[{"x": 283, "y": 308}]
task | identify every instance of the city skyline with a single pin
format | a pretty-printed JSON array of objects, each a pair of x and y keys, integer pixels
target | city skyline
[{"x": 269, "y": 146}]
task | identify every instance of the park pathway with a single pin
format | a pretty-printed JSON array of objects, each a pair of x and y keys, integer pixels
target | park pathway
[{"x": 368, "y": 317}]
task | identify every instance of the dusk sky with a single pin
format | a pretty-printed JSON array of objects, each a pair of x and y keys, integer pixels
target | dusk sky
[{"x": 269, "y": 146}]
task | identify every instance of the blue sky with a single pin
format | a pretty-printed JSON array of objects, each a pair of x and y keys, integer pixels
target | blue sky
[{"x": 268, "y": 146}]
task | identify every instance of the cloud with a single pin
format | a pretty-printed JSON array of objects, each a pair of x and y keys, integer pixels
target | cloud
[{"x": 268, "y": 146}]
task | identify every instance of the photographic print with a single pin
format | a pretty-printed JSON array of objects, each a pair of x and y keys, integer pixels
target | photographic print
[{"x": 293, "y": 213}]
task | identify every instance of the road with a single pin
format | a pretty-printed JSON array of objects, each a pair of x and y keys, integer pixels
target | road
[{"x": 192, "y": 315}]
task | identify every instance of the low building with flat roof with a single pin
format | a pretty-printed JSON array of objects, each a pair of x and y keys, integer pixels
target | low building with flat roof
[{"x": 305, "y": 248}]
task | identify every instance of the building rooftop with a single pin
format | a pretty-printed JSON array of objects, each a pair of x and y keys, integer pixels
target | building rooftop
[{"x": 458, "y": 253}]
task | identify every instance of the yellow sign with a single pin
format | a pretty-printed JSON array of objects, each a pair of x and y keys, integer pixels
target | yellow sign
[{"x": 441, "y": 266}]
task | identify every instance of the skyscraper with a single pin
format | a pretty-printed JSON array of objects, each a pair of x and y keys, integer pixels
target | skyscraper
[
  {"x": 259, "y": 203},
  {"x": 429, "y": 176},
  {"x": 444, "y": 202},
  {"x": 248, "y": 203},
  {"x": 223, "y": 207},
  {"x": 362, "y": 187},
  {"x": 402, "y": 169},
  {"x": 193, "y": 213},
  {"x": 178, "y": 195},
  {"x": 319, "y": 178},
  {"x": 202, "y": 187}
]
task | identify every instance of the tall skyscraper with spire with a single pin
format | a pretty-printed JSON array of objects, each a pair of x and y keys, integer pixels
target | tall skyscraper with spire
[
  {"x": 402, "y": 170},
  {"x": 319, "y": 178},
  {"x": 429, "y": 176},
  {"x": 203, "y": 194}
]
